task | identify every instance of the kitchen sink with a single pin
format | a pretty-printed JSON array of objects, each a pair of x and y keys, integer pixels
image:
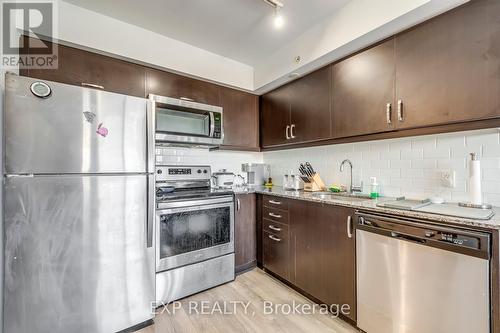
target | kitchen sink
[{"x": 340, "y": 196}]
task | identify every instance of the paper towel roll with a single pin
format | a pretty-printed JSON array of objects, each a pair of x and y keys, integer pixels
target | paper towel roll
[{"x": 475, "y": 195}]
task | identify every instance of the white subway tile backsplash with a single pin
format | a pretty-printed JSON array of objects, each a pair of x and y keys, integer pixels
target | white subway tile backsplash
[
  {"x": 230, "y": 160},
  {"x": 492, "y": 150},
  {"x": 405, "y": 166},
  {"x": 424, "y": 164}
]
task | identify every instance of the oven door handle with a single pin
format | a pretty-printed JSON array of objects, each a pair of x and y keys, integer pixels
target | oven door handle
[
  {"x": 212, "y": 124},
  {"x": 165, "y": 211}
]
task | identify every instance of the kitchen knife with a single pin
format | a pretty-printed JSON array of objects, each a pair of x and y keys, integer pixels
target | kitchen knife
[
  {"x": 303, "y": 170},
  {"x": 310, "y": 169}
]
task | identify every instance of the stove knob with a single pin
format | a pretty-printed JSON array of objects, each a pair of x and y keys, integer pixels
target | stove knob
[
  {"x": 205, "y": 171},
  {"x": 159, "y": 172},
  {"x": 199, "y": 170}
]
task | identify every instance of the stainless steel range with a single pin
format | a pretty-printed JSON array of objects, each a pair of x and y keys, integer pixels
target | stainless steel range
[{"x": 194, "y": 233}]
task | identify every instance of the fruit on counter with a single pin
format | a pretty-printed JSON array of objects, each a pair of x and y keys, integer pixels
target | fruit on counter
[{"x": 335, "y": 188}]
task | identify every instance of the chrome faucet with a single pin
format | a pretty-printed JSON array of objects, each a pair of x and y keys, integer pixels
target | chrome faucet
[{"x": 352, "y": 188}]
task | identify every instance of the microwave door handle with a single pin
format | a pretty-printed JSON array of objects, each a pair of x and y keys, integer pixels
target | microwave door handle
[{"x": 212, "y": 124}]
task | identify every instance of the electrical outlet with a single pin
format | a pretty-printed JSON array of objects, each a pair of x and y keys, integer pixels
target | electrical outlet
[{"x": 448, "y": 178}]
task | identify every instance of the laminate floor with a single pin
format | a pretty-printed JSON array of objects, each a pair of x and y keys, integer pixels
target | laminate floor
[{"x": 254, "y": 302}]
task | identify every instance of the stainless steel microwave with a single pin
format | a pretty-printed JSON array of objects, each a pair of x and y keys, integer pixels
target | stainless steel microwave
[{"x": 182, "y": 122}]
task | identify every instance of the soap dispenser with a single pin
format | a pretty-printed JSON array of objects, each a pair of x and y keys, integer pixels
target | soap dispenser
[{"x": 374, "y": 188}]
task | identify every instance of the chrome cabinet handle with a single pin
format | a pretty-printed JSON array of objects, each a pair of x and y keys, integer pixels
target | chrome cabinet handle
[
  {"x": 275, "y": 202},
  {"x": 275, "y": 238},
  {"x": 291, "y": 131},
  {"x": 286, "y": 132},
  {"x": 238, "y": 204},
  {"x": 388, "y": 111},
  {"x": 400, "y": 110},
  {"x": 272, "y": 227},
  {"x": 275, "y": 215},
  {"x": 90, "y": 85},
  {"x": 349, "y": 226},
  {"x": 187, "y": 99}
]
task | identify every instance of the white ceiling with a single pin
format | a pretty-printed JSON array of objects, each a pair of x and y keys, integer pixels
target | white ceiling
[{"x": 238, "y": 29}]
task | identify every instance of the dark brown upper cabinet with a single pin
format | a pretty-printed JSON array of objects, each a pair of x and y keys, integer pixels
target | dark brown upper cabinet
[
  {"x": 78, "y": 67},
  {"x": 298, "y": 112},
  {"x": 177, "y": 86},
  {"x": 275, "y": 117},
  {"x": 310, "y": 106},
  {"x": 363, "y": 92},
  {"x": 241, "y": 119},
  {"x": 448, "y": 67}
]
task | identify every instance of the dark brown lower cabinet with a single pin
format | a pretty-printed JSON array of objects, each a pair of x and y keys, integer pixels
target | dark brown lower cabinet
[
  {"x": 339, "y": 259},
  {"x": 318, "y": 257},
  {"x": 276, "y": 254},
  {"x": 306, "y": 245},
  {"x": 245, "y": 232}
]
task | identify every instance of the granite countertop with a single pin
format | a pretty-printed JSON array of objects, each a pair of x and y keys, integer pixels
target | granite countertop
[{"x": 371, "y": 205}]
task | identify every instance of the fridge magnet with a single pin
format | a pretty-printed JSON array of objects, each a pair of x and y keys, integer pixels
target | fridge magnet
[
  {"x": 89, "y": 116},
  {"x": 102, "y": 131}
]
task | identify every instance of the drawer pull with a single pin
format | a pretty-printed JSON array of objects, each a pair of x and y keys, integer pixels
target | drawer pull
[
  {"x": 276, "y": 239},
  {"x": 90, "y": 85},
  {"x": 272, "y": 227},
  {"x": 275, "y": 202},
  {"x": 275, "y": 215}
]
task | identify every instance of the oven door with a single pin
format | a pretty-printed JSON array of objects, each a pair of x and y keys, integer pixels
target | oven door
[{"x": 194, "y": 231}]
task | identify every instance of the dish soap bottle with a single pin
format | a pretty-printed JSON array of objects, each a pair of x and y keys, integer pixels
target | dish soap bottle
[{"x": 374, "y": 189}]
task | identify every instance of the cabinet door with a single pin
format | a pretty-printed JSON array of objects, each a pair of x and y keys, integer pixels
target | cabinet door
[
  {"x": 79, "y": 67},
  {"x": 339, "y": 259},
  {"x": 306, "y": 246},
  {"x": 363, "y": 86},
  {"x": 241, "y": 119},
  {"x": 177, "y": 86},
  {"x": 447, "y": 68},
  {"x": 245, "y": 232},
  {"x": 275, "y": 253},
  {"x": 310, "y": 106},
  {"x": 275, "y": 117}
]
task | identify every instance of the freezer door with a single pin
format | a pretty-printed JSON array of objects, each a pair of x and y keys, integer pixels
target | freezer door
[
  {"x": 73, "y": 130},
  {"x": 76, "y": 255}
]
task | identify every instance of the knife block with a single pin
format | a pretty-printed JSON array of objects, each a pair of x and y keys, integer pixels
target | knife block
[{"x": 316, "y": 184}]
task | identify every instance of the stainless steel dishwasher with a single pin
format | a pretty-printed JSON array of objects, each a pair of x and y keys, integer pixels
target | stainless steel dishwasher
[{"x": 418, "y": 277}]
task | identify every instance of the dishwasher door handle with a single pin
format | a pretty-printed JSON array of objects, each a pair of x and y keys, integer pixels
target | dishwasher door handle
[{"x": 408, "y": 238}]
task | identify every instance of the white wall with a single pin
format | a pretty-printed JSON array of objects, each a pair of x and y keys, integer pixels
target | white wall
[
  {"x": 406, "y": 166},
  {"x": 90, "y": 29},
  {"x": 219, "y": 159}
]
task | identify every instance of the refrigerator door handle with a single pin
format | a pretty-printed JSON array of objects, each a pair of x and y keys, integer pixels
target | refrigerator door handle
[
  {"x": 151, "y": 135},
  {"x": 150, "y": 211}
]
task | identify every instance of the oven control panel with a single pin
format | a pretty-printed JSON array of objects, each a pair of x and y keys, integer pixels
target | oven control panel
[{"x": 181, "y": 172}]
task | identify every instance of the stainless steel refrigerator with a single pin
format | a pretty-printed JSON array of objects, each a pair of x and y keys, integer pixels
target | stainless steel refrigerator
[{"x": 79, "y": 209}]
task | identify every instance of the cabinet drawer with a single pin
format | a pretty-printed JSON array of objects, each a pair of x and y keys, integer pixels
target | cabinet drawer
[
  {"x": 275, "y": 202},
  {"x": 274, "y": 214},
  {"x": 273, "y": 227},
  {"x": 276, "y": 254}
]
